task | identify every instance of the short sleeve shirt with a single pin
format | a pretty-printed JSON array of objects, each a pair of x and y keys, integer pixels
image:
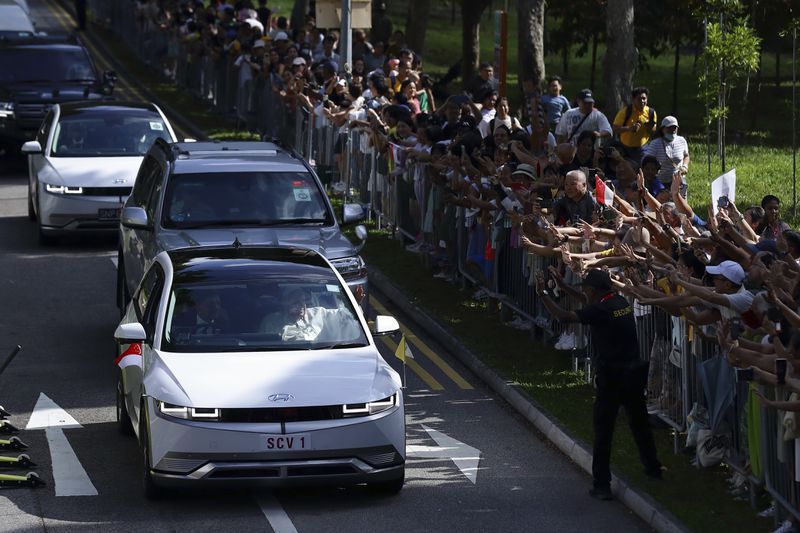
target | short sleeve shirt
[
  {"x": 568, "y": 125},
  {"x": 613, "y": 328},
  {"x": 639, "y": 138}
]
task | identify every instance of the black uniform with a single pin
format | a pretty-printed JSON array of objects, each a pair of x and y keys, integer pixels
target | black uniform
[{"x": 621, "y": 378}]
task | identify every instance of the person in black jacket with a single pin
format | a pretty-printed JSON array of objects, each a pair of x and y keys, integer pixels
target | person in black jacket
[{"x": 620, "y": 376}]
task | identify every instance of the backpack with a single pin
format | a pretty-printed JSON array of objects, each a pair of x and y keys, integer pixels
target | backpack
[{"x": 629, "y": 111}]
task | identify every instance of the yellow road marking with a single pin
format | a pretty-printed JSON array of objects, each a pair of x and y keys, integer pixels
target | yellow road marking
[
  {"x": 438, "y": 361},
  {"x": 415, "y": 367}
]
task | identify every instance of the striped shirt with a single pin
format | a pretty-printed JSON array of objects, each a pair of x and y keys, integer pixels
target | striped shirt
[{"x": 669, "y": 154}]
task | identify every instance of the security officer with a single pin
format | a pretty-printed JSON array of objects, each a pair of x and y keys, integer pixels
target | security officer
[{"x": 620, "y": 377}]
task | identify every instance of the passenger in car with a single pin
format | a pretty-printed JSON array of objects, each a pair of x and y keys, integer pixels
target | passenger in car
[
  {"x": 205, "y": 317},
  {"x": 300, "y": 320}
]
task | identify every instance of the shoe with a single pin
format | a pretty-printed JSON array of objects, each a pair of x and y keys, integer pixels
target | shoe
[
  {"x": 480, "y": 294},
  {"x": 601, "y": 493},
  {"x": 769, "y": 511},
  {"x": 414, "y": 248},
  {"x": 541, "y": 322},
  {"x": 442, "y": 275}
]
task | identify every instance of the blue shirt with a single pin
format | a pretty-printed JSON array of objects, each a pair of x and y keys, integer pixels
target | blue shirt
[{"x": 554, "y": 106}]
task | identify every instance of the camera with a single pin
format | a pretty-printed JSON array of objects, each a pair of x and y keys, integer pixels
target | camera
[
  {"x": 744, "y": 374},
  {"x": 735, "y": 328}
]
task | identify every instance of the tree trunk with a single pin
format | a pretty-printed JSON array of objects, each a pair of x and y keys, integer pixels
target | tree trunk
[
  {"x": 530, "y": 41},
  {"x": 299, "y": 12},
  {"x": 471, "y": 11},
  {"x": 417, "y": 24},
  {"x": 675, "y": 79},
  {"x": 619, "y": 64},
  {"x": 565, "y": 61}
]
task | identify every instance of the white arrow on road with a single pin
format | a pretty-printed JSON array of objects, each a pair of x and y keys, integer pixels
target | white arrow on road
[
  {"x": 68, "y": 474},
  {"x": 464, "y": 456}
]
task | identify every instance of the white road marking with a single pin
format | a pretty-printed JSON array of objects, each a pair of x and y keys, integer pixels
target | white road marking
[
  {"x": 114, "y": 260},
  {"x": 463, "y": 455},
  {"x": 276, "y": 516},
  {"x": 68, "y": 474}
]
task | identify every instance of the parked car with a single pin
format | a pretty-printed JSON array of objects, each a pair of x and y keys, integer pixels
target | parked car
[
  {"x": 84, "y": 161},
  {"x": 37, "y": 72},
  {"x": 254, "y": 366},
  {"x": 212, "y": 193}
]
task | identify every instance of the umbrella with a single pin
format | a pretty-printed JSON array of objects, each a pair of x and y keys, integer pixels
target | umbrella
[{"x": 717, "y": 378}]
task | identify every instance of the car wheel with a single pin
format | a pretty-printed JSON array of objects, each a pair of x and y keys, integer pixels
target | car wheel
[
  {"x": 390, "y": 487},
  {"x": 123, "y": 420},
  {"x": 123, "y": 296},
  {"x": 151, "y": 490}
]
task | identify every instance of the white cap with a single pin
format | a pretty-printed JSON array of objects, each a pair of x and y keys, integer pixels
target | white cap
[
  {"x": 298, "y": 61},
  {"x": 259, "y": 44},
  {"x": 669, "y": 121},
  {"x": 730, "y": 270},
  {"x": 281, "y": 36},
  {"x": 255, "y": 23}
]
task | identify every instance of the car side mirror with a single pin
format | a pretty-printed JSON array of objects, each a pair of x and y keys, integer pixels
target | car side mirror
[
  {"x": 130, "y": 333},
  {"x": 32, "y": 147},
  {"x": 135, "y": 218},
  {"x": 352, "y": 213},
  {"x": 385, "y": 325}
]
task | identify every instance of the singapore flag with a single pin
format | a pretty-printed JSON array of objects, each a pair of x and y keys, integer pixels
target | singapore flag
[{"x": 131, "y": 356}]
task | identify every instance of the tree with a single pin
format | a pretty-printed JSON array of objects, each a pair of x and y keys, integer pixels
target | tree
[
  {"x": 471, "y": 12},
  {"x": 619, "y": 64},
  {"x": 580, "y": 24},
  {"x": 417, "y": 24},
  {"x": 530, "y": 41},
  {"x": 731, "y": 52},
  {"x": 299, "y": 12}
]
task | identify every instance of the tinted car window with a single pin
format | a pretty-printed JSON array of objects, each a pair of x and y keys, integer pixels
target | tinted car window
[
  {"x": 264, "y": 313},
  {"x": 31, "y": 64},
  {"x": 107, "y": 133},
  {"x": 258, "y": 198},
  {"x": 146, "y": 301}
]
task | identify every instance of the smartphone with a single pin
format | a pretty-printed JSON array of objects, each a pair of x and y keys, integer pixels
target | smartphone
[
  {"x": 780, "y": 371},
  {"x": 735, "y": 326},
  {"x": 744, "y": 374},
  {"x": 723, "y": 202}
]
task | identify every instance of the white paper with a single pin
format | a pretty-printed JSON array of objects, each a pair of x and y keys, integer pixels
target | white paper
[{"x": 724, "y": 185}]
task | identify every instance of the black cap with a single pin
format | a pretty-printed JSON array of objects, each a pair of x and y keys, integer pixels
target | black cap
[
  {"x": 599, "y": 279},
  {"x": 586, "y": 95}
]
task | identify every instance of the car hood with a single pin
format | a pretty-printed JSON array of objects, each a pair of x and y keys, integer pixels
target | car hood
[
  {"x": 247, "y": 379},
  {"x": 91, "y": 171},
  {"x": 327, "y": 241}
]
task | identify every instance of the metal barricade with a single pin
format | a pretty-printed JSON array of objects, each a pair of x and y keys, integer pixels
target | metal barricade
[{"x": 778, "y": 460}]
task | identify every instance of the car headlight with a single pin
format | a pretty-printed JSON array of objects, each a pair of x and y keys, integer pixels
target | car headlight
[
  {"x": 370, "y": 408},
  {"x": 188, "y": 413},
  {"x": 6, "y": 109},
  {"x": 350, "y": 267},
  {"x": 61, "y": 189}
]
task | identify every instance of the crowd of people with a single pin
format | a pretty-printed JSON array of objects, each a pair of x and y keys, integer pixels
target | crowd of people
[{"x": 581, "y": 190}]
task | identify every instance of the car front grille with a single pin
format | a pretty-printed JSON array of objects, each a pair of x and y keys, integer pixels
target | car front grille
[{"x": 281, "y": 414}]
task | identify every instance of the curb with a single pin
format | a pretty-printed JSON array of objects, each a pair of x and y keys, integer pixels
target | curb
[{"x": 652, "y": 513}]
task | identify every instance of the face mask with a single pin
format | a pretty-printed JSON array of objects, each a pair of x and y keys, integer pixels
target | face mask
[{"x": 669, "y": 137}]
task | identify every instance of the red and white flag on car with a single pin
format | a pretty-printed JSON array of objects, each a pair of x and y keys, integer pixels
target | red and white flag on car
[
  {"x": 604, "y": 193},
  {"x": 131, "y": 356}
]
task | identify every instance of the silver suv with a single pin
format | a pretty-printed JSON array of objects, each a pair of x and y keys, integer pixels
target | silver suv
[{"x": 218, "y": 193}]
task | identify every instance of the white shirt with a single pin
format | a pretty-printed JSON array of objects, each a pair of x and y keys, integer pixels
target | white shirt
[
  {"x": 738, "y": 302},
  {"x": 596, "y": 121},
  {"x": 338, "y": 324}
]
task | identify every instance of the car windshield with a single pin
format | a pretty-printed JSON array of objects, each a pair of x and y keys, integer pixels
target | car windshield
[
  {"x": 243, "y": 199},
  {"x": 44, "y": 64},
  {"x": 107, "y": 133},
  {"x": 262, "y": 313}
]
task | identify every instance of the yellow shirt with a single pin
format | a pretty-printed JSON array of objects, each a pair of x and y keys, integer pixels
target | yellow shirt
[{"x": 639, "y": 138}]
